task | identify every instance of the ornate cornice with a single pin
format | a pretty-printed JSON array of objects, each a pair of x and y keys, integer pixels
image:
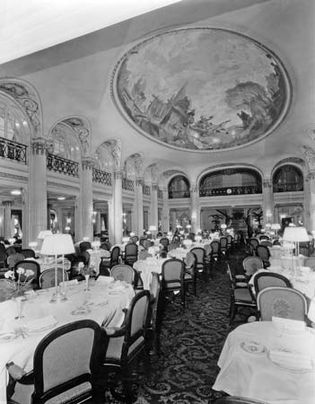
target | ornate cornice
[{"x": 27, "y": 98}]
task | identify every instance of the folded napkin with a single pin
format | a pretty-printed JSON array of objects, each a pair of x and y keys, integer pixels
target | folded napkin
[
  {"x": 104, "y": 279},
  {"x": 68, "y": 283},
  {"x": 287, "y": 324},
  {"x": 291, "y": 360},
  {"x": 40, "y": 324}
]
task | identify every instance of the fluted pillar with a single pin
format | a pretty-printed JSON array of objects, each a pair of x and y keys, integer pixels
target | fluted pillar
[
  {"x": 153, "y": 221},
  {"x": 165, "y": 212},
  {"x": 195, "y": 211},
  {"x": 37, "y": 198},
  {"x": 138, "y": 207},
  {"x": 268, "y": 202},
  {"x": 86, "y": 197},
  {"x": 309, "y": 202},
  {"x": 117, "y": 209},
  {"x": 7, "y": 219}
]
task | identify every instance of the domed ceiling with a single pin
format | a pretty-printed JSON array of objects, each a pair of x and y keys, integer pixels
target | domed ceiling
[{"x": 201, "y": 89}]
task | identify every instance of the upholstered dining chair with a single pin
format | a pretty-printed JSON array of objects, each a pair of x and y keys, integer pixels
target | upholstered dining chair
[
  {"x": 128, "y": 343},
  {"x": 252, "y": 264},
  {"x": 131, "y": 253},
  {"x": 281, "y": 302},
  {"x": 200, "y": 254},
  {"x": 123, "y": 272},
  {"x": 237, "y": 400},
  {"x": 265, "y": 279},
  {"x": 223, "y": 245},
  {"x": 65, "y": 366},
  {"x": 173, "y": 274},
  {"x": 190, "y": 277},
  {"x": 215, "y": 251},
  {"x": 47, "y": 277},
  {"x": 262, "y": 251}
]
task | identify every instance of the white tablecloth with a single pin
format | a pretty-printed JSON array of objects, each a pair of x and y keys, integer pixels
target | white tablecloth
[
  {"x": 146, "y": 267},
  {"x": 251, "y": 373},
  {"x": 287, "y": 261},
  {"x": 104, "y": 301}
]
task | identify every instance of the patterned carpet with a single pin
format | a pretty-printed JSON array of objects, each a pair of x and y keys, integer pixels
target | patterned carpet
[{"x": 191, "y": 342}]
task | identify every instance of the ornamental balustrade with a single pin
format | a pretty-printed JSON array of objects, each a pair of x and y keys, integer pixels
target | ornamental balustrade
[
  {"x": 240, "y": 190},
  {"x": 288, "y": 187},
  {"x": 146, "y": 190},
  {"x": 12, "y": 150},
  {"x": 128, "y": 185},
  {"x": 102, "y": 177},
  {"x": 62, "y": 165},
  {"x": 178, "y": 194}
]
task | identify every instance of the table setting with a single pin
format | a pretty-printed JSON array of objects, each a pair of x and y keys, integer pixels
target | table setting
[
  {"x": 272, "y": 361},
  {"x": 24, "y": 322}
]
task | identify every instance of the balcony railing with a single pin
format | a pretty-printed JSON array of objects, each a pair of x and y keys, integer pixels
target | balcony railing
[
  {"x": 241, "y": 190},
  {"x": 288, "y": 187},
  {"x": 102, "y": 177},
  {"x": 146, "y": 190},
  {"x": 128, "y": 185},
  {"x": 178, "y": 194},
  {"x": 62, "y": 165},
  {"x": 12, "y": 150}
]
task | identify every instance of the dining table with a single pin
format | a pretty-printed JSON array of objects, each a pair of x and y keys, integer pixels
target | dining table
[
  {"x": 24, "y": 321},
  {"x": 271, "y": 361}
]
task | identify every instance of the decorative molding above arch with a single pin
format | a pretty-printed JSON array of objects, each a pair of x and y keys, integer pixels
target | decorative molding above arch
[
  {"x": 81, "y": 127},
  {"x": 25, "y": 95}
]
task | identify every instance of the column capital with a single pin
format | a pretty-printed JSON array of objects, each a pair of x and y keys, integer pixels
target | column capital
[
  {"x": 118, "y": 175},
  {"x": 39, "y": 145},
  {"x": 88, "y": 163},
  {"x": 194, "y": 188}
]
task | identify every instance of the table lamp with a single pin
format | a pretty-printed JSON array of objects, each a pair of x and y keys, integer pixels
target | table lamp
[
  {"x": 296, "y": 235},
  {"x": 58, "y": 244}
]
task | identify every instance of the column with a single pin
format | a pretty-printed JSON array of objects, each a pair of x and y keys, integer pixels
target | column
[
  {"x": 195, "y": 211},
  {"x": 165, "y": 212},
  {"x": 268, "y": 201},
  {"x": 309, "y": 201},
  {"x": 173, "y": 219},
  {"x": 37, "y": 198},
  {"x": 154, "y": 206},
  {"x": 117, "y": 207},
  {"x": 138, "y": 207},
  {"x": 86, "y": 197},
  {"x": 7, "y": 219}
]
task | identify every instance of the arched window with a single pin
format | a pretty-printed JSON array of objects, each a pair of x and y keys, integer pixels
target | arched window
[
  {"x": 232, "y": 181},
  {"x": 65, "y": 143},
  {"x": 179, "y": 187},
  {"x": 13, "y": 126},
  {"x": 287, "y": 178}
]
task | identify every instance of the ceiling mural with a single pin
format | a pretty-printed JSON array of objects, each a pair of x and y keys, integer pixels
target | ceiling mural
[{"x": 201, "y": 89}]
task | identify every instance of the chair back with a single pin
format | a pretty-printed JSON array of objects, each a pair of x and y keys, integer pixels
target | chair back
[
  {"x": 229, "y": 240},
  {"x": 267, "y": 243},
  {"x": 251, "y": 265},
  {"x": 165, "y": 242},
  {"x": 123, "y": 272},
  {"x": 262, "y": 251},
  {"x": 85, "y": 245},
  {"x": 173, "y": 271},
  {"x": 281, "y": 302},
  {"x": 253, "y": 243},
  {"x": 266, "y": 279},
  {"x": 223, "y": 243},
  {"x": 190, "y": 262},
  {"x": 13, "y": 259},
  {"x": 131, "y": 253},
  {"x": 200, "y": 254},
  {"x": 47, "y": 278},
  {"x": 114, "y": 256},
  {"x": 34, "y": 266},
  {"x": 28, "y": 253},
  {"x": 66, "y": 362},
  {"x": 10, "y": 250}
]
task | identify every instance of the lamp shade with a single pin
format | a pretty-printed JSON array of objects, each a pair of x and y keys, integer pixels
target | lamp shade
[
  {"x": 296, "y": 234},
  {"x": 44, "y": 233},
  {"x": 57, "y": 244}
]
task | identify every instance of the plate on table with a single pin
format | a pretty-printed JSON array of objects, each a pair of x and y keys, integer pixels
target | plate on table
[
  {"x": 7, "y": 336},
  {"x": 253, "y": 347}
]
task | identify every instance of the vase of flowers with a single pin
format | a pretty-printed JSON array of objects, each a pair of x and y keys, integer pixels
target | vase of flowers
[{"x": 20, "y": 281}]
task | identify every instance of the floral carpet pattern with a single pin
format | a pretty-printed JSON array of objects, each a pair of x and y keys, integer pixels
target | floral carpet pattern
[{"x": 191, "y": 341}]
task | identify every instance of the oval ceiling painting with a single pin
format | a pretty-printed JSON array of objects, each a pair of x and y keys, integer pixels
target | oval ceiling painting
[{"x": 202, "y": 89}]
